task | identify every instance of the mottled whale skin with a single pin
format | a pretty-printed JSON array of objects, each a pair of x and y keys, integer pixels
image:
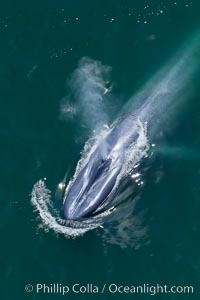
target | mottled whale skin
[{"x": 97, "y": 178}]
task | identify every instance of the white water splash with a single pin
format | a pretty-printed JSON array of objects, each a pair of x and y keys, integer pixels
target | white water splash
[
  {"x": 49, "y": 218},
  {"x": 137, "y": 150}
]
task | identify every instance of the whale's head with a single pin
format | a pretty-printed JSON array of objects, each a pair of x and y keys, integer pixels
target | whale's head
[
  {"x": 90, "y": 189},
  {"x": 98, "y": 178}
]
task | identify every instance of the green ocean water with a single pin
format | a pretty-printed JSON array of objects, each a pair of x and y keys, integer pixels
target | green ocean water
[{"x": 41, "y": 43}]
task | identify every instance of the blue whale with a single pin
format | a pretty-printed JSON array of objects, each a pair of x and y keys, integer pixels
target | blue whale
[{"x": 97, "y": 179}]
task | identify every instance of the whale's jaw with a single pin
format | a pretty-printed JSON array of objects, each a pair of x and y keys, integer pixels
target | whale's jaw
[{"x": 83, "y": 200}]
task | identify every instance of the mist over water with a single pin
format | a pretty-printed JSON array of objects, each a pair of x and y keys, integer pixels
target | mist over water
[
  {"x": 158, "y": 100},
  {"x": 88, "y": 86}
]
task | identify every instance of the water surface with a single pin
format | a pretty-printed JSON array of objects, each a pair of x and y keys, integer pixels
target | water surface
[{"x": 41, "y": 45}]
